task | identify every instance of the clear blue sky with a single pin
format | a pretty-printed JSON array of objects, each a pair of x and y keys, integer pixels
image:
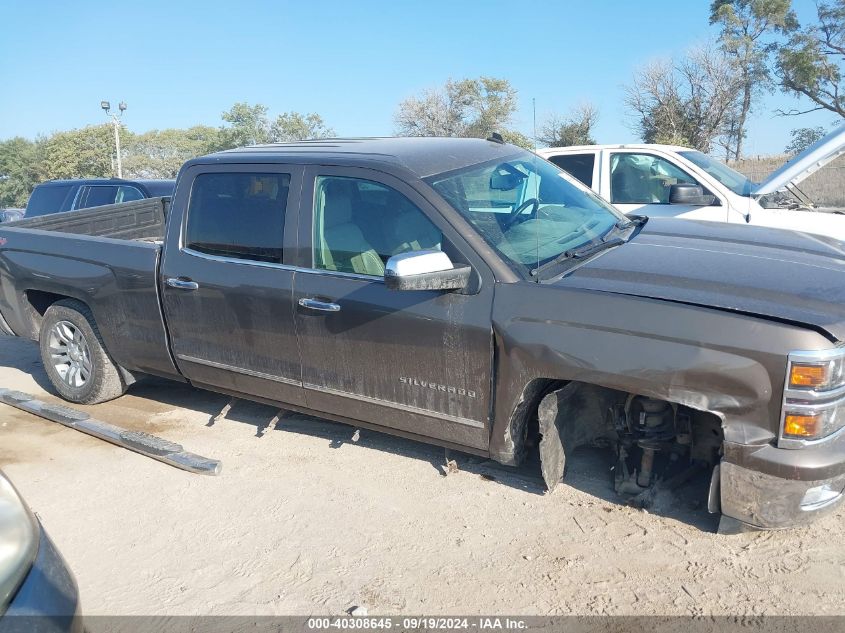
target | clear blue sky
[{"x": 178, "y": 63}]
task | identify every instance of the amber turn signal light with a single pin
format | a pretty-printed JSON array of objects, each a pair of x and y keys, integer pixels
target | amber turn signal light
[
  {"x": 797, "y": 425},
  {"x": 809, "y": 375}
]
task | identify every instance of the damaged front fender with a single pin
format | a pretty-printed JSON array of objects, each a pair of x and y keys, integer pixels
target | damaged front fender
[{"x": 571, "y": 417}]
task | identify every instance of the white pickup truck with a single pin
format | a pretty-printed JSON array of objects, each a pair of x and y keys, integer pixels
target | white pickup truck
[{"x": 671, "y": 181}]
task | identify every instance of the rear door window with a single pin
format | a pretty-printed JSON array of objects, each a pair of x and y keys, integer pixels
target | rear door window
[
  {"x": 578, "y": 165},
  {"x": 49, "y": 199},
  {"x": 97, "y": 196},
  {"x": 238, "y": 215},
  {"x": 126, "y": 193}
]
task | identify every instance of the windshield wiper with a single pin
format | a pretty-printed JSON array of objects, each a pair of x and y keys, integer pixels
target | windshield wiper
[
  {"x": 634, "y": 220},
  {"x": 579, "y": 253},
  {"x": 592, "y": 249},
  {"x": 596, "y": 247}
]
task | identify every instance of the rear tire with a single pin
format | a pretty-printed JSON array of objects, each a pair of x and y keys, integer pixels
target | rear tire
[{"x": 75, "y": 357}]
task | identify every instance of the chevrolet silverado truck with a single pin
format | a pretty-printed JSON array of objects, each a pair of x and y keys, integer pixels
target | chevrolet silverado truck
[
  {"x": 673, "y": 181},
  {"x": 462, "y": 292}
]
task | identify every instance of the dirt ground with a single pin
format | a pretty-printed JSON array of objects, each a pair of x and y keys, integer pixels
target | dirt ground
[{"x": 304, "y": 520}]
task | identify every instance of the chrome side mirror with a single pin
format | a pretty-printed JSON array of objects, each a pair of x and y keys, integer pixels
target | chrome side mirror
[{"x": 425, "y": 270}]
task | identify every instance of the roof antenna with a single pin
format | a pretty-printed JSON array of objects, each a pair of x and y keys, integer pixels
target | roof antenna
[{"x": 495, "y": 137}]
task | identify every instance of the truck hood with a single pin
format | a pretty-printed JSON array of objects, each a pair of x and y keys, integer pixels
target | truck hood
[
  {"x": 782, "y": 275},
  {"x": 811, "y": 159}
]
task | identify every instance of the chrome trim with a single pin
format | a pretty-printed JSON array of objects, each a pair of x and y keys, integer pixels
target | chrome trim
[
  {"x": 5, "y": 328},
  {"x": 338, "y": 273},
  {"x": 396, "y": 405},
  {"x": 235, "y": 260},
  {"x": 239, "y": 370},
  {"x": 181, "y": 284},
  {"x": 809, "y": 400},
  {"x": 315, "y": 304},
  {"x": 297, "y": 269}
]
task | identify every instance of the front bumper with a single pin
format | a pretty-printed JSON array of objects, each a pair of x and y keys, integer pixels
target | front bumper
[
  {"x": 769, "y": 488},
  {"x": 48, "y": 599}
]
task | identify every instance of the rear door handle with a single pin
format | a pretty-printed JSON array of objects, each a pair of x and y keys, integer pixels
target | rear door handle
[
  {"x": 181, "y": 284},
  {"x": 322, "y": 306}
]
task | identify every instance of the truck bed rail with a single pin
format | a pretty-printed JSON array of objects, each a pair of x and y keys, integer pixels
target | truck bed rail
[{"x": 139, "y": 219}]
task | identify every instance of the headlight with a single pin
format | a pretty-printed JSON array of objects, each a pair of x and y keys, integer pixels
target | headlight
[
  {"x": 18, "y": 541},
  {"x": 813, "y": 397}
]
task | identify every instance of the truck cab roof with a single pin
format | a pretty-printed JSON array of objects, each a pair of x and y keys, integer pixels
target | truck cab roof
[{"x": 422, "y": 156}]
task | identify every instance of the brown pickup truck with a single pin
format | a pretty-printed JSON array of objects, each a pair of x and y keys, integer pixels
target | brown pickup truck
[{"x": 463, "y": 292}]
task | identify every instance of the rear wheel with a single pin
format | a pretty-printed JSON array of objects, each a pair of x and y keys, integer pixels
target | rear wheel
[{"x": 74, "y": 356}]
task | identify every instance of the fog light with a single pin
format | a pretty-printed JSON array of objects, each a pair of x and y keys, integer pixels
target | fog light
[
  {"x": 819, "y": 496},
  {"x": 797, "y": 425}
]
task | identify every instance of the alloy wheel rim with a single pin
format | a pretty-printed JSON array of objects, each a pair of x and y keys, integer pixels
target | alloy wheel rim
[{"x": 70, "y": 354}]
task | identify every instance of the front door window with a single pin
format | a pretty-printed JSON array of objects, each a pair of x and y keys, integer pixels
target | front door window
[
  {"x": 643, "y": 178},
  {"x": 360, "y": 224}
]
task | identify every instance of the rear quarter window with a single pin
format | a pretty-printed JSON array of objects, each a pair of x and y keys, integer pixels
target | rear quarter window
[
  {"x": 49, "y": 199},
  {"x": 578, "y": 165}
]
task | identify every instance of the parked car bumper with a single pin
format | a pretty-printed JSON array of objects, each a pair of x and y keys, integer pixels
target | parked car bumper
[
  {"x": 48, "y": 599},
  {"x": 770, "y": 488}
]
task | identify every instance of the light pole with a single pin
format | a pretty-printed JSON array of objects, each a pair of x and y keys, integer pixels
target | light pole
[{"x": 106, "y": 106}]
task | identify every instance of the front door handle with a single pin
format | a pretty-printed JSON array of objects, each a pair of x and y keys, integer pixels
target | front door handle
[
  {"x": 181, "y": 284},
  {"x": 322, "y": 306}
]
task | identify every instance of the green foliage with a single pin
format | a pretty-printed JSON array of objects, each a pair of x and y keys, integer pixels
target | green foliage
[
  {"x": 82, "y": 153},
  {"x": 293, "y": 126},
  {"x": 747, "y": 27},
  {"x": 18, "y": 171},
  {"x": 160, "y": 153},
  {"x": 467, "y": 108},
  {"x": 89, "y": 152},
  {"x": 574, "y": 129},
  {"x": 802, "y": 138},
  {"x": 248, "y": 125},
  {"x": 812, "y": 64}
]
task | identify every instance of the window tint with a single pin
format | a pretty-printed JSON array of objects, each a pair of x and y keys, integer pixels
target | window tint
[
  {"x": 127, "y": 194},
  {"x": 360, "y": 224},
  {"x": 578, "y": 165},
  {"x": 49, "y": 199},
  {"x": 238, "y": 215},
  {"x": 98, "y": 195},
  {"x": 643, "y": 179}
]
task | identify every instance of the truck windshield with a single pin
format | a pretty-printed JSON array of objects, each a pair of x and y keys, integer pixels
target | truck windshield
[
  {"x": 732, "y": 179},
  {"x": 527, "y": 209}
]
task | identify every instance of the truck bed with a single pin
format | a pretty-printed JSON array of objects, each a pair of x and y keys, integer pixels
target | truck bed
[
  {"x": 137, "y": 220},
  {"x": 106, "y": 257}
]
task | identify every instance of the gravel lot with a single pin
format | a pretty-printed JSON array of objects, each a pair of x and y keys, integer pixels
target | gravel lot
[{"x": 304, "y": 520}]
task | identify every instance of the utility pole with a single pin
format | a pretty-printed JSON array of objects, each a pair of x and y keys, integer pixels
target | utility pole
[{"x": 106, "y": 106}]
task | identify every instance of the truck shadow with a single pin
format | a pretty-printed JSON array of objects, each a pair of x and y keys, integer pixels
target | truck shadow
[{"x": 588, "y": 470}]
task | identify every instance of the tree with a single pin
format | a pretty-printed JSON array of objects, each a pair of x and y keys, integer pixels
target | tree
[
  {"x": 574, "y": 129},
  {"x": 248, "y": 125},
  {"x": 468, "y": 108},
  {"x": 802, "y": 138},
  {"x": 293, "y": 126},
  {"x": 84, "y": 153},
  {"x": 19, "y": 168},
  {"x": 685, "y": 102},
  {"x": 812, "y": 64},
  {"x": 161, "y": 153},
  {"x": 745, "y": 25}
]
